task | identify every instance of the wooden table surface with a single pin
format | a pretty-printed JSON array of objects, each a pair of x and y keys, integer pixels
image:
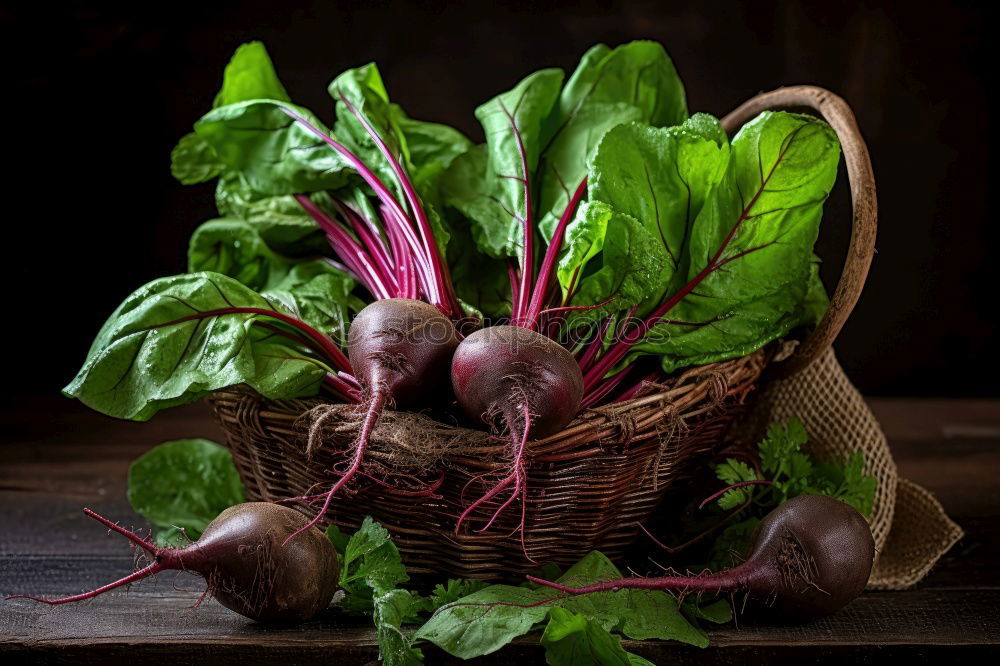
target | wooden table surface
[{"x": 57, "y": 457}]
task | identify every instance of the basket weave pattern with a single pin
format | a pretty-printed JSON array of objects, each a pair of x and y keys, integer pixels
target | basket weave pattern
[{"x": 589, "y": 485}]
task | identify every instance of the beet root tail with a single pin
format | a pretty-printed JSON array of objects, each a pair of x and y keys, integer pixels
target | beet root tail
[
  {"x": 161, "y": 563},
  {"x": 360, "y": 445},
  {"x": 148, "y": 570},
  {"x": 518, "y": 478}
]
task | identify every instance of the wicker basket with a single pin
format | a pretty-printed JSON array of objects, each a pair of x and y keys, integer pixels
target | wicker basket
[{"x": 589, "y": 485}]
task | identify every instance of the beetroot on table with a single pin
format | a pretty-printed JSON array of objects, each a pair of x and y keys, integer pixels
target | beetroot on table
[{"x": 240, "y": 555}]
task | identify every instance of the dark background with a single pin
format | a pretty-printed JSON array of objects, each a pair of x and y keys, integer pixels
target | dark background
[{"x": 97, "y": 96}]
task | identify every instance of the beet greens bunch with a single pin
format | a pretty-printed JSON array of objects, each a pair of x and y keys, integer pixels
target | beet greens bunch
[{"x": 600, "y": 238}]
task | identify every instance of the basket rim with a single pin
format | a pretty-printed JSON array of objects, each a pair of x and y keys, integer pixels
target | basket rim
[{"x": 694, "y": 392}]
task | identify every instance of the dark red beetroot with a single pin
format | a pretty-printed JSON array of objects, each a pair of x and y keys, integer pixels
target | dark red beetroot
[
  {"x": 400, "y": 350},
  {"x": 241, "y": 556},
  {"x": 515, "y": 380},
  {"x": 810, "y": 556}
]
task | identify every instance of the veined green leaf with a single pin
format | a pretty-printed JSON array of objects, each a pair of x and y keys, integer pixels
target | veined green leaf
[
  {"x": 159, "y": 350},
  {"x": 632, "y": 259},
  {"x": 312, "y": 289},
  {"x": 633, "y": 82},
  {"x": 485, "y": 621},
  {"x": 759, "y": 227},
  {"x": 662, "y": 178},
  {"x": 572, "y": 639},
  {"x": 281, "y": 221},
  {"x": 193, "y": 161},
  {"x": 273, "y": 152},
  {"x": 249, "y": 75},
  {"x": 487, "y": 183}
]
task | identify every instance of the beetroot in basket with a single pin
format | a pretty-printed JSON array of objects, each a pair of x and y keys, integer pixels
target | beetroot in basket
[{"x": 633, "y": 266}]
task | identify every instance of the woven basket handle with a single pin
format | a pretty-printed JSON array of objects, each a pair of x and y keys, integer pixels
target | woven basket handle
[{"x": 835, "y": 111}]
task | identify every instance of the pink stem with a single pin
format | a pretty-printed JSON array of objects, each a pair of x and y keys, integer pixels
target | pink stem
[
  {"x": 373, "y": 246},
  {"x": 442, "y": 296},
  {"x": 642, "y": 385},
  {"x": 551, "y": 255},
  {"x": 527, "y": 252},
  {"x": 352, "y": 254},
  {"x": 381, "y": 191},
  {"x": 591, "y": 350},
  {"x": 723, "y": 581},
  {"x": 337, "y": 357},
  {"x": 602, "y": 390},
  {"x": 360, "y": 445},
  {"x": 343, "y": 390}
]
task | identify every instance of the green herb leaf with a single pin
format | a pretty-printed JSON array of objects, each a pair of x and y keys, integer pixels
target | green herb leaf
[
  {"x": 151, "y": 354},
  {"x": 792, "y": 472},
  {"x": 370, "y": 571},
  {"x": 391, "y": 609},
  {"x": 572, "y": 639},
  {"x": 734, "y": 471},
  {"x": 183, "y": 485},
  {"x": 450, "y": 592},
  {"x": 372, "y": 559}
]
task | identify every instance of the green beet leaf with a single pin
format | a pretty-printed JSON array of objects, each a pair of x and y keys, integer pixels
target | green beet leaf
[
  {"x": 312, "y": 289},
  {"x": 572, "y": 639},
  {"x": 249, "y": 75},
  {"x": 274, "y": 153},
  {"x": 559, "y": 127},
  {"x": 635, "y": 81},
  {"x": 193, "y": 161},
  {"x": 760, "y": 225},
  {"x": 486, "y": 183},
  {"x": 281, "y": 221},
  {"x": 660, "y": 177},
  {"x": 631, "y": 259},
  {"x": 158, "y": 350},
  {"x": 485, "y": 621},
  {"x": 183, "y": 485}
]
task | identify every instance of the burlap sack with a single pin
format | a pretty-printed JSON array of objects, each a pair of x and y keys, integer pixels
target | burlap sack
[{"x": 910, "y": 527}]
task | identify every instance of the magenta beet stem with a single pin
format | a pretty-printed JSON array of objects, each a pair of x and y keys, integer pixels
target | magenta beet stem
[
  {"x": 551, "y": 255},
  {"x": 728, "y": 580}
]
